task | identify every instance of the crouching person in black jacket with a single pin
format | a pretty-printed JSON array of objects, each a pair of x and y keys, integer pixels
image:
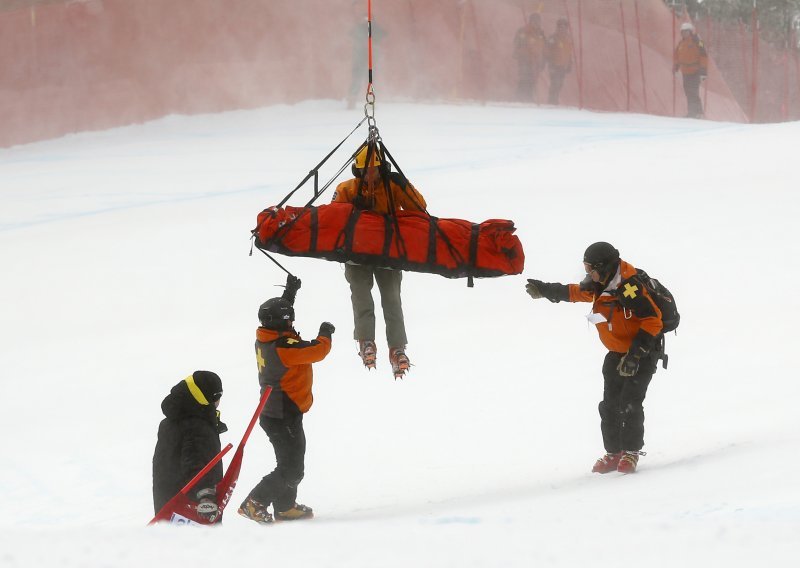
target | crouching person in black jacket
[{"x": 188, "y": 438}]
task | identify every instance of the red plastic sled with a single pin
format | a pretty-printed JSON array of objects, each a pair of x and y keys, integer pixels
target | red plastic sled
[{"x": 411, "y": 240}]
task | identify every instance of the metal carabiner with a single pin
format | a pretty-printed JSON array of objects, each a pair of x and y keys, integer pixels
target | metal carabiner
[{"x": 369, "y": 106}]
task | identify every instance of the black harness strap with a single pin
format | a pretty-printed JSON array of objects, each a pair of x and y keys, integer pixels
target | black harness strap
[
  {"x": 314, "y": 229},
  {"x": 453, "y": 251},
  {"x": 313, "y": 173},
  {"x": 350, "y": 230},
  {"x": 473, "y": 254},
  {"x": 410, "y": 195},
  {"x": 432, "y": 230},
  {"x": 388, "y": 233}
]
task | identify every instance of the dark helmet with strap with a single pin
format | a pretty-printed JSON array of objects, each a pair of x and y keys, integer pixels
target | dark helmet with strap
[
  {"x": 277, "y": 314},
  {"x": 603, "y": 258}
]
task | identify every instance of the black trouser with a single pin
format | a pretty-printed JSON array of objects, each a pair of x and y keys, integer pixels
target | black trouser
[
  {"x": 289, "y": 441},
  {"x": 621, "y": 411},
  {"x": 691, "y": 87}
]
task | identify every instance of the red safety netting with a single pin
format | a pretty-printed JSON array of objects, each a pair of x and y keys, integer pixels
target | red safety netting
[{"x": 89, "y": 64}]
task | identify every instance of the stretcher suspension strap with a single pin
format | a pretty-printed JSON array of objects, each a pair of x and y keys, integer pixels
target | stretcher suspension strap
[
  {"x": 315, "y": 171},
  {"x": 473, "y": 253}
]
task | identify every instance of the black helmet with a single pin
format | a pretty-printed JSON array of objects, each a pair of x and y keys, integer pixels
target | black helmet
[
  {"x": 603, "y": 258},
  {"x": 276, "y": 313}
]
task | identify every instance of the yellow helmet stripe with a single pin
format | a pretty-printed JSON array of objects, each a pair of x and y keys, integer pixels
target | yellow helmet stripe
[{"x": 195, "y": 390}]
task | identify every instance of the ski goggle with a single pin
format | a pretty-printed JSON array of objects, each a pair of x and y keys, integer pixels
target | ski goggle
[{"x": 588, "y": 267}]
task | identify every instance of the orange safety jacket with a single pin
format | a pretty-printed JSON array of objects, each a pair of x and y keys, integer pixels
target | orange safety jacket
[
  {"x": 559, "y": 51},
  {"x": 690, "y": 56},
  {"x": 529, "y": 45},
  {"x": 284, "y": 363},
  {"x": 627, "y": 308},
  {"x": 404, "y": 197}
]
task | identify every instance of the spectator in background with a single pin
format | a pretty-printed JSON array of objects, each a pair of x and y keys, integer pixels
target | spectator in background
[
  {"x": 559, "y": 58},
  {"x": 691, "y": 60},
  {"x": 529, "y": 51}
]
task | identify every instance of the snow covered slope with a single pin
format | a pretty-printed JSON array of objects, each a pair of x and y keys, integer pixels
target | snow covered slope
[{"x": 125, "y": 267}]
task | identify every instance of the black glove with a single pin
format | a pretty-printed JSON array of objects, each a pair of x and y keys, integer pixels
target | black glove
[
  {"x": 292, "y": 284},
  {"x": 208, "y": 510},
  {"x": 629, "y": 364},
  {"x": 553, "y": 291},
  {"x": 326, "y": 329}
]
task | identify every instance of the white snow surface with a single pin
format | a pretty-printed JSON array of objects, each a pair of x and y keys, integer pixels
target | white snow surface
[{"x": 125, "y": 267}]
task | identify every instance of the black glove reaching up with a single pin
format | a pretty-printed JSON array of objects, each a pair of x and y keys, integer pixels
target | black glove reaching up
[
  {"x": 553, "y": 291},
  {"x": 292, "y": 286},
  {"x": 326, "y": 329}
]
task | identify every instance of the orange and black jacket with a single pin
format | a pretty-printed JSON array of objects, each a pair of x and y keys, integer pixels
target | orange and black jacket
[
  {"x": 284, "y": 363},
  {"x": 691, "y": 57},
  {"x": 559, "y": 51},
  {"x": 529, "y": 45},
  {"x": 403, "y": 195},
  {"x": 632, "y": 318}
]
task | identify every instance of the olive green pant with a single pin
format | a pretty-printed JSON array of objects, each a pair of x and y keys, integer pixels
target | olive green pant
[{"x": 361, "y": 278}]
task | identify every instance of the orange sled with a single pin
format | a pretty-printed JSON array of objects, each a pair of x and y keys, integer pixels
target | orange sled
[{"x": 411, "y": 240}]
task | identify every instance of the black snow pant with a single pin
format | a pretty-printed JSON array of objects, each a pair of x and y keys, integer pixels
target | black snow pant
[
  {"x": 621, "y": 410},
  {"x": 289, "y": 441},
  {"x": 691, "y": 87}
]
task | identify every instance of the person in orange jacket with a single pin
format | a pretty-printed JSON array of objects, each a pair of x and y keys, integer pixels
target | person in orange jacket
[
  {"x": 284, "y": 363},
  {"x": 691, "y": 60},
  {"x": 529, "y": 51},
  {"x": 559, "y": 58},
  {"x": 629, "y": 324},
  {"x": 376, "y": 188}
]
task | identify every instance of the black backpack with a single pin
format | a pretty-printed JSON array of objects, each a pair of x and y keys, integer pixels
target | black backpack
[{"x": 663, "y": 299}]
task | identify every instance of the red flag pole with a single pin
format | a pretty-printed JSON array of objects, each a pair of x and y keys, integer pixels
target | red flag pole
[
  {"x": 754, "y": 75},
  {"x": 580, "y": 50},
  {"x": 627, "y": 66},
  {"x": 228, "y": 483},
  {"x": 166, "y": 510},
  {"x": 674, "y": 17},
  {"x": 641, "y": 56}
]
